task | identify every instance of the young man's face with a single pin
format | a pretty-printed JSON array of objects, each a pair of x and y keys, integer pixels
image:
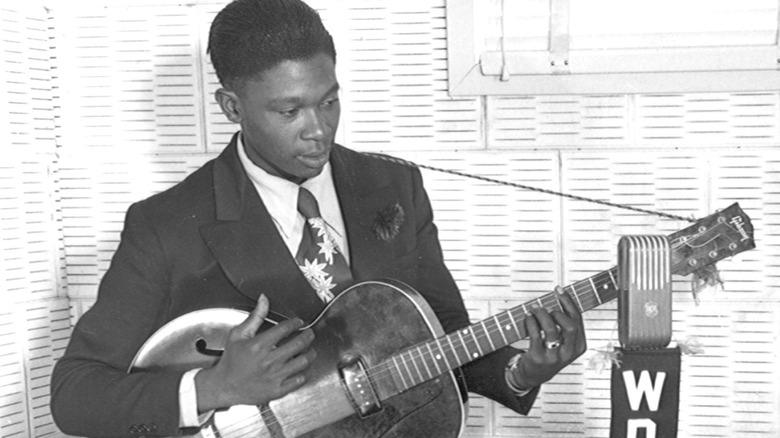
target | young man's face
[{"x": 289, "y": 116}]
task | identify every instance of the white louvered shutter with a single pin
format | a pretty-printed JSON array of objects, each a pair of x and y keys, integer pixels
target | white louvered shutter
[
  {"x": 34, "y": 313},
  {"x": 133, "y": 113}
]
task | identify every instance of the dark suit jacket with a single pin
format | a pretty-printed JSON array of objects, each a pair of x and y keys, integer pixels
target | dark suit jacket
[{"x": 210, "y": 242}]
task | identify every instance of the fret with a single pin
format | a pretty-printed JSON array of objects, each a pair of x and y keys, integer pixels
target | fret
[
  {"x": 416, "y": 367},
  {"x": 463, "y": 343},
  {"x": 455, "y": 362},
  {"x": 435, "y": 358},
  {"x": 421, "y": 358},
  {"x": 541, "y": 300},
  {"x": 612, "y": 278},
  {"x": 504, "y": 322},
  {"x": 558, "y": 299},
  {"x": 478, "y": 353},
  {"x": 514, "y": 323},
  {"x": 577, "y": 297},
  {"x": 495, "y": 333},
  {"x": 556, "y": 302},
  {"x": 595, "y": 290},
  {"x": 400, "y": 373},
  {"x": 463, "y": 346},
  {"x": 487, "y": 333},
  {"x": 409, "y": 370},
  {"x": 501, "y": 328},
  {"x": 443, "y": 355}
]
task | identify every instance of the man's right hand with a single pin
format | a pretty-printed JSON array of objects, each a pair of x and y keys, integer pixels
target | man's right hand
[{"x": 253, "y": 370}]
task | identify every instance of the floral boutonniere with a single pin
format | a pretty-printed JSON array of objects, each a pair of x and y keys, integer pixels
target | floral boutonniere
[{"x": 388, "y": 221}]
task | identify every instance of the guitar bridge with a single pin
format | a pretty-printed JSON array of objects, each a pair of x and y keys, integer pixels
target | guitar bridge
[{"x": 359, "y": 387}]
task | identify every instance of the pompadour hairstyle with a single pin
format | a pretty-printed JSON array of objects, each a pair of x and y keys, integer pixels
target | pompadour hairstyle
[{"x": 249, "y": 37}]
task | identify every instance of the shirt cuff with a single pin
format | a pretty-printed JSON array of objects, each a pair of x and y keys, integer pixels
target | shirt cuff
[
  {"x": 188, "y": 402},
  {"x": 514, "y": 361}
]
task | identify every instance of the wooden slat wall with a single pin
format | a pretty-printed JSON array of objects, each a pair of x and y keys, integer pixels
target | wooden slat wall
[
  {"x": 124, "y": 108},
  {"x": 34, "y": 310}
]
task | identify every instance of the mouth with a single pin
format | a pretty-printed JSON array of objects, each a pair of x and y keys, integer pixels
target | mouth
[{"x": 315, "y": 159}]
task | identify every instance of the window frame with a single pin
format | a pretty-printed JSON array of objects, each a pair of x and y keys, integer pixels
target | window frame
[{"x": 563, "y": 71}]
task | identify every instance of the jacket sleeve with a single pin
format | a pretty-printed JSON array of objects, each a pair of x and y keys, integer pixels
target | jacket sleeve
[
  {"x": 484, "y": 376},
  {"x": 92, "y": 392}
]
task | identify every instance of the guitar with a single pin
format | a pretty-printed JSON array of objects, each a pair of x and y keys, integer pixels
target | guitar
[{"x": 397, "y": 382}]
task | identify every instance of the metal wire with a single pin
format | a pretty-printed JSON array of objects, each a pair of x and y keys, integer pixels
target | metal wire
[{"x": 526, "y": 187}]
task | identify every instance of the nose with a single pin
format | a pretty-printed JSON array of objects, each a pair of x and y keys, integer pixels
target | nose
[{"x": 315, "y": 126}]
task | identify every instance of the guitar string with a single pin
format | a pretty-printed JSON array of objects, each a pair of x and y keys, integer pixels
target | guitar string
[
  {"x": 381, "y": 372},
  {"x": 552, "y": 302},
  {"x": 597, "y": 282},
  {"x": 248, "y": 428},
  {"x": 549, "y": 301}
]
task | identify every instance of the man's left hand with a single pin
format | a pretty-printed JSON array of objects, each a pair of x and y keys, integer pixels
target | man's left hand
[{"x": 557, "y": 339}]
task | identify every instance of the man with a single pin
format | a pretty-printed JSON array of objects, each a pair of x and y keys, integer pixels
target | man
[{"x": 228, "y": 236}]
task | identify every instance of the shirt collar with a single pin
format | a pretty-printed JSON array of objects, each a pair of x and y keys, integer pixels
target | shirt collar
[{"x": 279, "y": 195}]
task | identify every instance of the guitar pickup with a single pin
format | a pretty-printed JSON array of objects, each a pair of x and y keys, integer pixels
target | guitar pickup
[{"x": 359, "y": 387}]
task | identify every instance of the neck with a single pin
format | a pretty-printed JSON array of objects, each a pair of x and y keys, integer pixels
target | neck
[{"x": 428, "y": 360}]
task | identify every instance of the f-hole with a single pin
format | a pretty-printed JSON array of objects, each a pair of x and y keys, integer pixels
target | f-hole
[{"x": 202, "y": 348}]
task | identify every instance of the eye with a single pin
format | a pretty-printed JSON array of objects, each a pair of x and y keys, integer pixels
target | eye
[
  {"x": 289, "y": 112},
  {"x": 330, "y": 102}
]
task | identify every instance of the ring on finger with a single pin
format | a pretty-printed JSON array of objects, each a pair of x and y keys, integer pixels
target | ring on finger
[{"x": 552, "y": 345}]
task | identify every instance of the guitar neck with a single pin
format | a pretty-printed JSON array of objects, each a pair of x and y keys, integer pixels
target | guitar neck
[
  {"x": 430, "y": 359},
  {"x": 720, "y": 235}
]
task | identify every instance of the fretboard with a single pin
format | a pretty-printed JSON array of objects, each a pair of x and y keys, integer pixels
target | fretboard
[
  {"x": 709, "y": 240},
  {"x": 428, "y": 360}
]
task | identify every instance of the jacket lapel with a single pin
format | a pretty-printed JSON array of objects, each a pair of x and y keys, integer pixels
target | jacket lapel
[
  {"x": 362, "y": 193},
  {"x": 247, "y": 245}
]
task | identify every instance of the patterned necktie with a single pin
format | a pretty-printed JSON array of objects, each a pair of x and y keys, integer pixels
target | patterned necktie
[{"x": 318, "y": 256}]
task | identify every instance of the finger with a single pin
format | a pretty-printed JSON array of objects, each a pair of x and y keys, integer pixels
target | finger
[
  {"x": 291, "y": 384},
  {"x": 536, "y": 345},
  {"x": 566, "y": 324},
  {"x": 568, "y": 304},
  {"x": 573, "y": 333},
  {"x": 293, "y": 346},
  {"x": 252, "y": 323},
  {"x": 547, "y": 324},
  {"x": 294, "y": 376},
  {"x": 574, "y": 313},
  {"x": 301, "y": 362},
  {"x": 276, "y": 334},
  {"x": 569, "y": 333}
]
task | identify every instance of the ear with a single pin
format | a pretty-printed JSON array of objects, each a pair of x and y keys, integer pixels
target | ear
[{"x": 230, "y": 104}]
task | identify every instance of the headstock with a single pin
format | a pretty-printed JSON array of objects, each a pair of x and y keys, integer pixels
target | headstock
[{"x": 711, "y": 239}]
